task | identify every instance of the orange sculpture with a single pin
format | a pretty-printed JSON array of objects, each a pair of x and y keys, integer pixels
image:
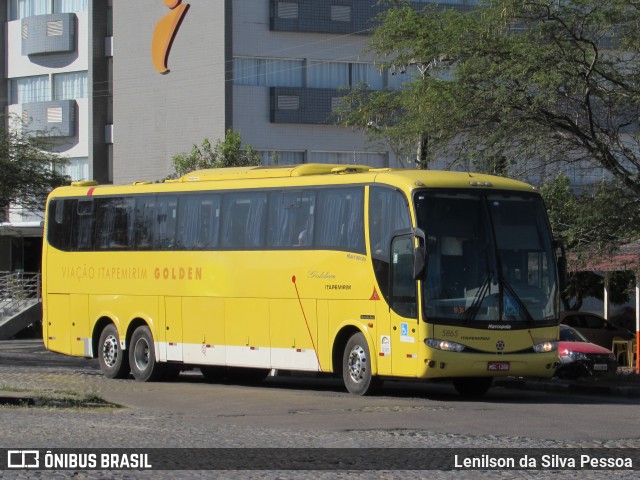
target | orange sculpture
[{"x": 165, "y": 32}]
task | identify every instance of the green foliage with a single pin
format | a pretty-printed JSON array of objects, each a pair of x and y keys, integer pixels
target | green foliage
[
  {"x": 593, "y": 222},
  {"x": 511, "y": 81},
  {"x": 227, "y": 153},
  {"x": 28, "y": 171}
]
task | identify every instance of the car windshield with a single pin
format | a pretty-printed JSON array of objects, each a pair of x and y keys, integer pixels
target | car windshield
[
  {"x": 568, "y": 334},
  {"x": 489, "y": 259}
]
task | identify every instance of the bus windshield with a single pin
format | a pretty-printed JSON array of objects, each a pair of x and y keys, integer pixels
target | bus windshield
[{"x": 491, "y": 262}]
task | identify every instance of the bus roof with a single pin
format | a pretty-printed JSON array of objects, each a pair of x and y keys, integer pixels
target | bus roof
[{"x": 301, "y": 175}]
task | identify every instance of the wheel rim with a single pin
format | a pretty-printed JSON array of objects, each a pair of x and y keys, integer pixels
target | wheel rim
[
  {"x": 141, "y": 354},
  {"x": 110, "y": 351},
  {"x": 357, "y": 363}
]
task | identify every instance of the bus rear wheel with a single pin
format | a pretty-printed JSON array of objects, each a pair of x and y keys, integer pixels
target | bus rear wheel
[
  {"x": 356, "y": 367},
  {"x": 472, "y": 387},
  {"x": 112, "y": 359},
  {"x": 142, "y": 356}
]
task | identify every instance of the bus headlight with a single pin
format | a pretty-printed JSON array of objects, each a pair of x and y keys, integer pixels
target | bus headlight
[
  {"x": 545, "y": 347},
  {"x": 444, "y": 345}
]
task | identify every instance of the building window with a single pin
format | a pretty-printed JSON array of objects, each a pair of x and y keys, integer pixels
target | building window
[
  {"x": 280, "y": 157},
  {"x": 70, "y": 6},
  {"x": 378, "y": 160},
  {"x": 67, "y": 86},
  {"x": 341, "y": 13},
  {"x": 268, "y": 72},
  {"x": 328, "y": 74},
  {"x": 76, "y": 168},
  {"x": 401, "y": 75},
  {"x": 341, "y": 74},
  {"x": 19, "y": 9},
  {"x": 288, "y": 10},
  {"x": 29, "y": 89},
  {"x": 367, "y": 73},
  {"x": 27, "y": 8}
]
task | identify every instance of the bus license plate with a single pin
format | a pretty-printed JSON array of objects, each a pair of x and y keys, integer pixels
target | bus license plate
[
  {"x": 600, "y": 366},
  {"x": 498, "y": 366}
]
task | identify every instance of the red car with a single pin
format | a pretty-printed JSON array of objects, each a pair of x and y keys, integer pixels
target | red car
[{"x": 580, "y": 358}]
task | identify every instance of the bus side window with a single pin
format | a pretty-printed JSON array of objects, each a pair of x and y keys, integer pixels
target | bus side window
[
  {"x": 388, "y": 213},
  {"x": 291, "y": 219},
  {"x": 243, "y": 220},
  {"x": 114, "y": 227},
  {"x": 198, "y": 221},
  {"x": 59, "y": 226},
  {"x": 340, "y": 219},
  {"x": 403, "y": 285},
  {"x": 143, "y": 228},
  {"x": 83, "y": 226},
  {"x": 165, "y": 222}
]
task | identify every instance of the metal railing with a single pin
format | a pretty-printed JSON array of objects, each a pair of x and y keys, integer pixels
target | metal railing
[{"x": 18, "y": 290}]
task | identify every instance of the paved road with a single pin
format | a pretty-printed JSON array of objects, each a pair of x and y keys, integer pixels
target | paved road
[{"x": 299, "y": 412}]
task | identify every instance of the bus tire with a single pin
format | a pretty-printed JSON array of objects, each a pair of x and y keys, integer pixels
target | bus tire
[
  {"x": 472, "y": 387},
  {"x": 142, "y": 356},
  {"x": 356, "y": 367},
  {"x": 112, "y": 359}
]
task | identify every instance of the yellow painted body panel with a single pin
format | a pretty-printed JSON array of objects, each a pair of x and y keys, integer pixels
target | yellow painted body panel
[{"x": 203, "y": 306}]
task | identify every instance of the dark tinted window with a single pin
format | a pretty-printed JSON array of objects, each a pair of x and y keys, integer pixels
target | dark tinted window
[
  {"x": 330, "y": 218},
  {"x": 244, "y": 219},
  {"x": 114, "y": 223},
  {"x": 61, "y": 214},
  {"x": 340, "y": 219},
  {"x": 291, "y": 219},
  {"x": 198, "y": 221}
]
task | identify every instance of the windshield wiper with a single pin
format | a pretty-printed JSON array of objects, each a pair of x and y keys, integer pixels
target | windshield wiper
[
  {"x": 522, "y": 308},
  {"x": 481, "y": 294}
]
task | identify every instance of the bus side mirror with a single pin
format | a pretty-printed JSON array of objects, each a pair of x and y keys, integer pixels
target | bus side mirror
[
  {"x": 561, "y": 255},
  {"x": 420, "y": 254}
]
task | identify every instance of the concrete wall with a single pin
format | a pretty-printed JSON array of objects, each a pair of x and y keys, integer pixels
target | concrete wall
[
  {"x": 156, "y": 115},
  {"x": 252, "y": 37}
]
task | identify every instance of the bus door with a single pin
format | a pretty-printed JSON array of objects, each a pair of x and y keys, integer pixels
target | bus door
[{"x": 403, "y": 307}]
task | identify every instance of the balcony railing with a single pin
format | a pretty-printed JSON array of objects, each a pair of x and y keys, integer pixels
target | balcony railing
[{"x": 18, "y": 291}]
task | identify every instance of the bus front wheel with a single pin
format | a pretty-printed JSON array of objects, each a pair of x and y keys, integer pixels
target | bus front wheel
[
  {"x": 142, "y": 356},
  {"x": 356, "y": 367},
  {"x": 112, "y": 359}
]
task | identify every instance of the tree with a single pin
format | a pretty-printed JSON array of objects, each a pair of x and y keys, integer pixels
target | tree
[
  {"x": 227, "y": 153},
  {"x": 593, "y": 222},
  {"x": 28, "y": 171},
  {"x": 511, "y": 82}
]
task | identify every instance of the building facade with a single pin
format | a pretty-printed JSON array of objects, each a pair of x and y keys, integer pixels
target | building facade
[
  {"x": 271, "y": 70},
  {"x": 122, "y": 86},
  {"x": 56, "y": 82}
]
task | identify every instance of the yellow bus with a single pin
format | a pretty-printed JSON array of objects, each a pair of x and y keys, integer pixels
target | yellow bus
[{"x": 364, "y": 273}]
